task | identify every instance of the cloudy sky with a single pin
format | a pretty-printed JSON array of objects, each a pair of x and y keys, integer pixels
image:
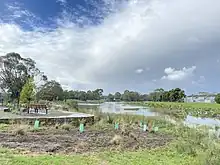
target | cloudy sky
[{"x": 116, "y": 45}]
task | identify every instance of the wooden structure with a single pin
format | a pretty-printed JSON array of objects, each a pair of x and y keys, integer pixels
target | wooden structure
[{"x": 38, "y": 107}]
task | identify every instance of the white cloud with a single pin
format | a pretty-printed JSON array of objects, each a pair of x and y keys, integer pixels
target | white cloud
[
  {"x": 138, "y": 71},
  {"x": 178, "y": 75},
  {"x": 61, "y": 1},
  {"x": 146, "y": 34}
]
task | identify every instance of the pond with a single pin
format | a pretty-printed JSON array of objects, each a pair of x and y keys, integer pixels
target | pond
[{"x": 112, "y": 107}]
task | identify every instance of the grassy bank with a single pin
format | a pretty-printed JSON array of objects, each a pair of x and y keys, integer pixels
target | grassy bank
[
  {"x": 187, "y": 147},
  {"x": 182, "y": 109}
]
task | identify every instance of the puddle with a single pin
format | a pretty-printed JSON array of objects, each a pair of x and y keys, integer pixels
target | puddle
[{"x": 191, "y": 120}]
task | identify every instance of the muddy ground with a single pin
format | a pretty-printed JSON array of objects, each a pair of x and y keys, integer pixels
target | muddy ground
[{"x": 62, "y": 141}]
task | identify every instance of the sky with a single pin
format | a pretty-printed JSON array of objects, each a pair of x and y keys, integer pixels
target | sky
[{"x": 117, "y": 44}]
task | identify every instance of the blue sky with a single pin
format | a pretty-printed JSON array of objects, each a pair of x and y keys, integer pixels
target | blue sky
[
  {"x": 116, "y": 45},
  {"x": 49, "y": 10}
]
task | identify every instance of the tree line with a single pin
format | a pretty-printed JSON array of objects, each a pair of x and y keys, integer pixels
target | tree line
[
  {"x": 17, "y": 81},
  {"x": 159, "y": 95}
]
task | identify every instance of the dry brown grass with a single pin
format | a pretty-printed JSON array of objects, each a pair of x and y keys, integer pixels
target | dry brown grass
[
  {"x": 66, "y": 127},
  {"x": 20, "y": 129},
  {"x": 116, "y": 140}
]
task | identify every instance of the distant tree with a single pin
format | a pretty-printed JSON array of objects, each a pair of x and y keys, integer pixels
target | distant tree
[
  {"x": 126, "y": 95},
  {"x": 176, "y": 95},
  {"x": 131, "y": 96},
  {"x": 82, "y": 95},
  {"x": 98, "y": 94},
  {"x": 117, "y": 96},
  {"x": 15, "y": 71},
  {"x": 28, "y": 91},
  {"x": 90, "y": 95},
  {"x": 50, "y": 91},
  {"x": 166, "y": 96},
  {"x": 65, "y": 95},
  {"x": 110, "y": 97},
  {"x": 158, "y": 94},
  {"x": 217, "y": 98},
  {"x": 173, "y": 95}
]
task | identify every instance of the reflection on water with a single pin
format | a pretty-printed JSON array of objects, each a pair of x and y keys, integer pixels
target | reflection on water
[
  {"x": 112, "y": 107},
  {"x": 146, "y": 112}
]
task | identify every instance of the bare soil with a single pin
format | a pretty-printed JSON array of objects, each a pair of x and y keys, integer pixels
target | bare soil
[{"x": 62, "y": 141}]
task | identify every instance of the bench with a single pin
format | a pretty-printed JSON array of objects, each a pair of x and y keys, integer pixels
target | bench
[{"x": 36, "y": 107}]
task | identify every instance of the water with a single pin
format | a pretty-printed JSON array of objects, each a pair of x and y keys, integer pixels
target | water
[
  {"x": 112, "y": 107},
  {"x": 191, "y": 120}
]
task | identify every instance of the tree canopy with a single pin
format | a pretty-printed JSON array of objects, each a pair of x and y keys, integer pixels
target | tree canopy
[
  {"x": 15, "y": 71},
  {"x": 217, "y": 98},
  {"x": 84, "y": 95},
  {"x": 50, "y": 91}
]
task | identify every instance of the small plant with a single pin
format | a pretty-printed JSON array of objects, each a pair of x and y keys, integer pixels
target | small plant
[
  {"x": 116, "y": 140},
  {"x": 75, "y": 122},
  {"x": 109, "y": 119},
  {"x": 65, "y": 108},
  {"x": 66, "y": 127}
]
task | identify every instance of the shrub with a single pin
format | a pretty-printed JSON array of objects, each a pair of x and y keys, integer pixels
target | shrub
[
  {"x": 72, "y": 104},
  {"x": 66, "y": 127}
]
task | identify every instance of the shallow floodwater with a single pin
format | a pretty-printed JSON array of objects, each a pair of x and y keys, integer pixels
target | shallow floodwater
[
  {"x": 201, "y": 121},
  {"x": 113, "y": 107}
]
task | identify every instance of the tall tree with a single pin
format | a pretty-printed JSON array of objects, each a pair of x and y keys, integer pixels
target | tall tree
[
  {"x": 15, "y": 71},
  {"x": 50, "y": 91}
]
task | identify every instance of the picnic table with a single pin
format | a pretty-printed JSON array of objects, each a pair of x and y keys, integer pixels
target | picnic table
[{"x": 38, "y": 107}]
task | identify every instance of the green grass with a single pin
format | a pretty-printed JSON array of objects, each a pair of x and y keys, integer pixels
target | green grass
[
  {"x": 191, "y": 105},
  {"x": 151, "y": 157},
  {"x": 180, "y": 110}
]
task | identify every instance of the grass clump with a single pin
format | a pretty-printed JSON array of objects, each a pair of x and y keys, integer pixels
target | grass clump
[
  {"x": 20, "y": 130},
  {"x": 66, "y": 127},
  {"x": 116, "y": 140}
]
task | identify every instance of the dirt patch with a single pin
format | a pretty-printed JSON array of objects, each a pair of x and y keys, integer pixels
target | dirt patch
[{"x": 61, "y": 141}]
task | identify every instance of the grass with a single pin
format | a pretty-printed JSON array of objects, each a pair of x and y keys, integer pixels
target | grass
[
  {"x": 151, "y": 157},
  {"x": 191, "y": 146},
  {"x": 180, "y": 110}
]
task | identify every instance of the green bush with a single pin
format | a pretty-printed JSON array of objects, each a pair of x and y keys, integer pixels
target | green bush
[
  {"x": 72, "y": 104},
  {"x": 217, "y": 98}
]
